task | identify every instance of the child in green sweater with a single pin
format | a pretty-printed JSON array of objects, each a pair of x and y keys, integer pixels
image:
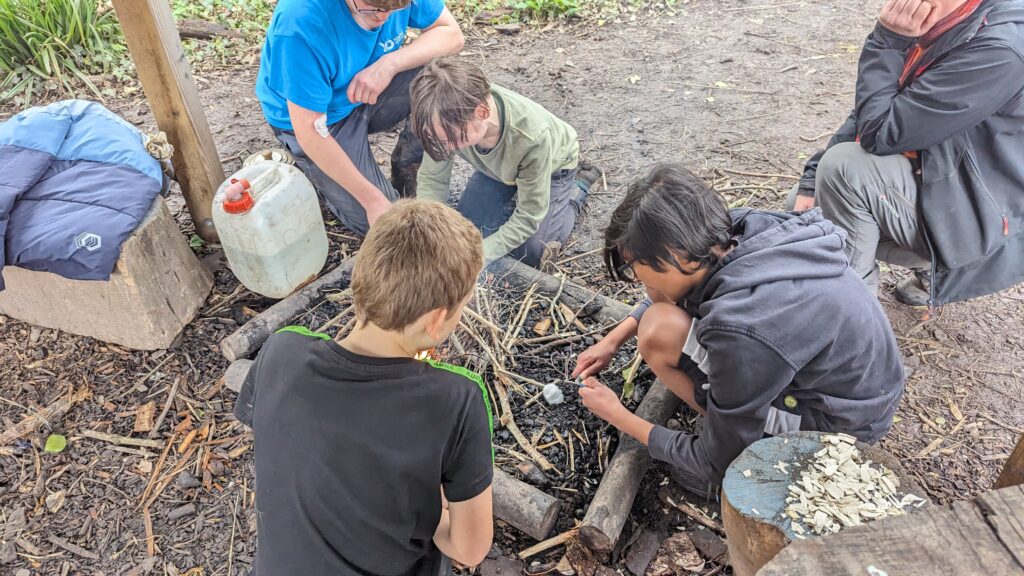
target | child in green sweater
[{"x": 529, "y": 186}]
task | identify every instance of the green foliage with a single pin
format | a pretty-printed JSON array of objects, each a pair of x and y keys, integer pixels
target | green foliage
[
  {"x": 547, "y": 9},
  {"x": 64, "y": 44},
  {"x": 57, "y": 41},
  {"x": 55, "y": 443},
  {"x": 250, "y": 17}
]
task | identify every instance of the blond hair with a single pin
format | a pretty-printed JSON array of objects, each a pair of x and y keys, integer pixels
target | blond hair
[
  {"x": 450, "y": 90},
  {"x": 419, "y": 256}
]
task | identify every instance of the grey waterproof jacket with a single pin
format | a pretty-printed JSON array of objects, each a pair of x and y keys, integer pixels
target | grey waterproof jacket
[{"x": 964, "y": 116}]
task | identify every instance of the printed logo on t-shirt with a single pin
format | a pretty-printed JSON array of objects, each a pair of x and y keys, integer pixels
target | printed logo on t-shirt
[{"x": 389, "y": 45}]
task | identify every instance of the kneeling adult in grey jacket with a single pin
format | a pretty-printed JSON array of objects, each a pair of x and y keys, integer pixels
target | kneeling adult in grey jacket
[
  {"x": 755, "y": 319},
  {"x": 926, "y": 172}
]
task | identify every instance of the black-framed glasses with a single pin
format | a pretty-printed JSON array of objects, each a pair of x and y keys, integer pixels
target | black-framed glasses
[
  {"x": 371, "y": 10},
  {"x": 620, "y": 269}
]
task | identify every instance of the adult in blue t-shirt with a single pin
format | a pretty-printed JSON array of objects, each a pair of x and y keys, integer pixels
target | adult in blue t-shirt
[{"x": 334, "y": 71}]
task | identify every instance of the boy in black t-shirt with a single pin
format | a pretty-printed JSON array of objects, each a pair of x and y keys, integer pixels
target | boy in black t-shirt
[{"x": 367, "y": 460}]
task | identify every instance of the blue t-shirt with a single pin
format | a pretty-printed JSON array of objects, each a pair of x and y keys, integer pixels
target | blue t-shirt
[{"x": 314, "y": 48}]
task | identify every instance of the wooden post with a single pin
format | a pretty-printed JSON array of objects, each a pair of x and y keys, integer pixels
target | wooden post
[
  {"x": 1013, "y": 472},
  {"x": 152, "y": 39}
]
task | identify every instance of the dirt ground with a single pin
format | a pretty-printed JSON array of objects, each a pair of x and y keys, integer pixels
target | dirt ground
[{"x": 739, "y": 91}]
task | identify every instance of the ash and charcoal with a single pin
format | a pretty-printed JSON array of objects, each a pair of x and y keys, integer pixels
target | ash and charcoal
[{"x": 520, "y": 342}]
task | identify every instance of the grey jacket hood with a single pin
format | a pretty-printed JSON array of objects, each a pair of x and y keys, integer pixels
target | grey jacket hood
[{"x": 776, "y": 246}]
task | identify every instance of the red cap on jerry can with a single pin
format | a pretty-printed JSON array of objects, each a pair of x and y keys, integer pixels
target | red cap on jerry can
[{"x": 237, "y": 199}]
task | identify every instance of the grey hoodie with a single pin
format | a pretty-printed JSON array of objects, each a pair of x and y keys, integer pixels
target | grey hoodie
[{"x": 786, "y": 323}]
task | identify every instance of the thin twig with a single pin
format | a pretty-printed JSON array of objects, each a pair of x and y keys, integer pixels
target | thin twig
[
  {"x": 167, "y": 406},
  {"x": 122, "y": 440},
  {"x": 713, "y": 87},
  {"x": 759, "y": 175},
  {"x": 578, "y": 256}
]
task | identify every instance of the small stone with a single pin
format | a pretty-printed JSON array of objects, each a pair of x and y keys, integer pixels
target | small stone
[
  {"x": 187, "y": 481},
  {"x": 8, "y": 555},
  {"x": 22, "y": 572},
  {"x": 532, "y": 474},
  {"x": 508, "y": 29},
  {"x": 504, "y": 435},
  {"x": 674, "y": 425},
  {"x": 216, "y": 467}
]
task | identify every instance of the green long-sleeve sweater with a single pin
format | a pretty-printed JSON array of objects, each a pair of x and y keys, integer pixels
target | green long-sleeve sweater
[{"x": 534, "y": 144}]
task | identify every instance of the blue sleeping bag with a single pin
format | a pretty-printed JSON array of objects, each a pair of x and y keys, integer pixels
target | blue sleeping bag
[{"x": 75, "y": 181}]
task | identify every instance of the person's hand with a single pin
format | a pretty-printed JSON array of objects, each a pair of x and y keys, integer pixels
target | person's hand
[
  {"x": 368, "y": 84},
  {"x": 911, "y": 18},
  {"x": 374, "y": 211},
  {"x": 803, "y": 203},
  {"x": 594, "y": 359},
  {"x": 601, "y": 400}
]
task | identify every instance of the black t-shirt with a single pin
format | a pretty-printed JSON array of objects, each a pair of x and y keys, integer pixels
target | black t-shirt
[{"x": 351, "y": 453}]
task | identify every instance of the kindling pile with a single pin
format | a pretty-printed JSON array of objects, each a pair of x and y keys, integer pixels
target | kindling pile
[{"x": 840, "y": 488}]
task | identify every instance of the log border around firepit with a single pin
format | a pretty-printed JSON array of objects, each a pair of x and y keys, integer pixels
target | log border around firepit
[{"x": 248, "y": 339}]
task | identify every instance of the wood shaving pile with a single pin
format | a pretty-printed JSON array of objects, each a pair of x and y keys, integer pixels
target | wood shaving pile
[{"x": 840, "y": 488}]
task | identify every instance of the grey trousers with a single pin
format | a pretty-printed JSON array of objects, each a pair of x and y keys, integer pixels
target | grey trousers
[
  {"x": 351, "y": 133},
  {"x": 873, "y": 198}
]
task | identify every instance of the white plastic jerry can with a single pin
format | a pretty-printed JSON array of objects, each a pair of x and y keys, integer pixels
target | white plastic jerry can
[{"x": 268, "y": 218}]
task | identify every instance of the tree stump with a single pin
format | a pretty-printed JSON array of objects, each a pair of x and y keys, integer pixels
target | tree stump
[
  {"x": 754, "y": 495},
  {"x": 155, "y": 290}
]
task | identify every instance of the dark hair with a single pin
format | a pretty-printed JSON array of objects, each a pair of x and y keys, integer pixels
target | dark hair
[
  {"x": 389, "y": 4},
  {"x": 450, "y": 90},
  {"x": 668, "y": 213}
]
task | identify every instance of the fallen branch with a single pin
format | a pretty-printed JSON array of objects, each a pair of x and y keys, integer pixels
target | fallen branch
[
  {"x": 524, "y": 507},
  {"x": 203, "y": 30},
  {"x": 698, "y": 516},
  {"x": 122, "y": 440},
  {"x": 167, "y": 406},
  {"x": 613, "y": 500},
  {"x": 157, "y": 468},
  {"x": 255, "y": 332},
  {"x": 548, "y": 544},
  {"x": 510, "y": 424},
  {"x": 147, "y": 521}
]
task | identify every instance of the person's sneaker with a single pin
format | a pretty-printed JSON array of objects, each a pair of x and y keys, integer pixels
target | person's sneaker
[
  {"x": 913, "y": 291},
  {"x": 405, "y": 164},
  {"x": 586, "y": 174},
  {"x": 552, "y": 250}
]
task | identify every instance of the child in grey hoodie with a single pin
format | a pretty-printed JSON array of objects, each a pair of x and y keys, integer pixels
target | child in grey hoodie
[{"x": 755, "y": 319}]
